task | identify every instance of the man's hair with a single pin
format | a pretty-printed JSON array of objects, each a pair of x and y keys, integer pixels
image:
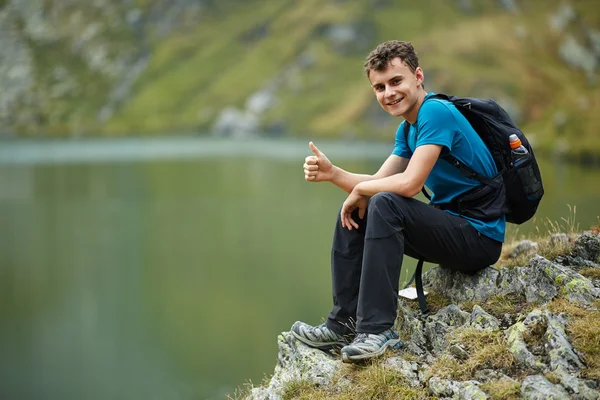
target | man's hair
[{"x": 380, "y": 58}]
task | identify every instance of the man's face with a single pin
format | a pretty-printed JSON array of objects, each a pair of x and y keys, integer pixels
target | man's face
[{"x": 397, "y": 88}]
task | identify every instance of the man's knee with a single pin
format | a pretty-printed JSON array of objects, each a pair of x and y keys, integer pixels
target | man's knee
[
  {"x": 386, "y": 201},
  {"x": 385, "y": 214}
]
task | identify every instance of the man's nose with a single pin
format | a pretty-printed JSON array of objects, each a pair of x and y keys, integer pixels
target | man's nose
[{"x": 389, "y": 91}]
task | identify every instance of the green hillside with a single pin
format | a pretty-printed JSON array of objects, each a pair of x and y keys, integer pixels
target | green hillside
[{"x": 305, "y": 58}]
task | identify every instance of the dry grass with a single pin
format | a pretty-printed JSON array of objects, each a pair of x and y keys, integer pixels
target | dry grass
[
  {"x": 591, "y": 273},
  {"x": 368, "y": 381},
  {"x": 435, "y": 301},
  {"x": 485, "y": 349},
  {"x": 584, "y": 331},
  {"x": 499, "y": 305},
  {"x": 502, "y": 389},
  {"x": 547, "y": 249}
]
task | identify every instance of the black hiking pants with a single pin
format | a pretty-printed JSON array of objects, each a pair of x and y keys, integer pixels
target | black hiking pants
[{"x": 366, "y": 262}]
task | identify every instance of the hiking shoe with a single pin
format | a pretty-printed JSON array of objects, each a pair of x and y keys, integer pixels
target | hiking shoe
[
  {"x": 320, "y": 337},
  {"x": 369, "y": 345}
]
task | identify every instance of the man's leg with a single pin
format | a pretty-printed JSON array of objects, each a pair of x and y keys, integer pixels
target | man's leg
[
  {"x": 346, "y": 263},
  {"x": 346, "y": 266},
  {"x": 396, "y": 222}
]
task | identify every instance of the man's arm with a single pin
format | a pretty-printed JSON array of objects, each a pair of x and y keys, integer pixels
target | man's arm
[
  {"x": 347, "y": 180},
  {"x": 318, "y": 168},
  {"x": 408, "y": 183}
]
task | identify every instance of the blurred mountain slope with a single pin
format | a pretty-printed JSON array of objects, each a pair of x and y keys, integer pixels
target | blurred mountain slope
[{"x": 283, "y": 67}]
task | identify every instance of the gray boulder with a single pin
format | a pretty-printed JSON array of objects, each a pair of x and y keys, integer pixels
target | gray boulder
[
  {"x": 536, "y": 387},
  {"x": 297, "y": 362}
]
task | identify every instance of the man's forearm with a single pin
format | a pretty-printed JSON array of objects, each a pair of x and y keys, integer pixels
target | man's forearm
[
  {"x": 347, "y": 180},
  {"x": 397, "y": 183}
]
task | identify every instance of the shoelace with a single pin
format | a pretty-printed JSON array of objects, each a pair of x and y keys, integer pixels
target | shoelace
[{"x": 361, "y": 337}]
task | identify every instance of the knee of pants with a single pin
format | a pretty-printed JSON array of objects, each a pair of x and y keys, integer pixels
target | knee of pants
[{"x": 385, "y": 214}]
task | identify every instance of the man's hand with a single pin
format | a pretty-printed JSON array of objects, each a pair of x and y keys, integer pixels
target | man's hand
[
  {"x": 317, "y": 168},
  {"x": 353, "y": 202}
]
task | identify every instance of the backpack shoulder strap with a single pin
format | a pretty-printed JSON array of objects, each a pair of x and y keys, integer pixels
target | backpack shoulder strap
[
  {"x": 406, "y": 129},
  {"x": 464, "y": 169}
]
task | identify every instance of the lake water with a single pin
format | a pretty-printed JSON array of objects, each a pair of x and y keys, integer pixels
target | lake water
[{"x": 165, "y": 268}]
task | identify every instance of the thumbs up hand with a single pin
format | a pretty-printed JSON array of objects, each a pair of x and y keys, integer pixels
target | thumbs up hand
[{"x": 317, "y": 168}]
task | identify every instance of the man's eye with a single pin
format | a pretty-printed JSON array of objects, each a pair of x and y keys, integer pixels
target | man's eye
[
  {"x": 396, "y": 81},
  {"x": 379, "y": 88}
]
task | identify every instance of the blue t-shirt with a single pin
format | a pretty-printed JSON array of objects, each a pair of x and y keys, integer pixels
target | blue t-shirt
[{"x": 439, "y": 122}]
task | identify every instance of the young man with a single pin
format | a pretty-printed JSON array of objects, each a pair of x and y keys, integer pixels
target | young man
[{"x": 380, "y": 221}]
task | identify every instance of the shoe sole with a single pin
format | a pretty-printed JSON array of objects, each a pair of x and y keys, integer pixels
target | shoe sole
[
  {"x": 319, "y": 345},
  {"x": 390, "y": 344}
]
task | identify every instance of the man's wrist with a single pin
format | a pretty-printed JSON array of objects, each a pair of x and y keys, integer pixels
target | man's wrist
[
  {"x": 334, "y": 174},
  {"x": 358, "y": 189}
]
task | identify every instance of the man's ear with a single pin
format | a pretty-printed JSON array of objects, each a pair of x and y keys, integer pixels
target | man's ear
[{"x": 420, "y": 75}]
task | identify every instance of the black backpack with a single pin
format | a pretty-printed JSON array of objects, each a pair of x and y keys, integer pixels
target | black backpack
[
  {"x": 522, "y": 184},
  {"x": 516, "y": 191}
]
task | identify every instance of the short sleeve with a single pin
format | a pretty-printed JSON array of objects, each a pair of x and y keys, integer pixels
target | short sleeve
[
  {"x": 401, "y": 148},
  {"x": 436, "y": 125}
]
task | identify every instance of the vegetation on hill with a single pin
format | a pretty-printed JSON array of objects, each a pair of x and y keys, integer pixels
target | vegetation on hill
[{"x": 537, "y": 58}]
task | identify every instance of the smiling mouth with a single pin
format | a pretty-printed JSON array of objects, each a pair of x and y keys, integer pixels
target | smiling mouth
[{"x": 395, "y": 101}]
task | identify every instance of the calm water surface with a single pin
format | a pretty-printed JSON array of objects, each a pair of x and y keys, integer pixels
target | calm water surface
[{"x": 164, "y": 269}]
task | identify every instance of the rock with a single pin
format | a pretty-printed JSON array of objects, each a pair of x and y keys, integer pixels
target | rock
[
  {"x": 458, "y": 351},
  {"x": 578, "y": 56},
  {"x": 234, "y": 122},
  {"x": 409, "y": 370},
  {"x": 562, "y": 17},
  {"x": 442, "y": 387},
  {"x": 451, "y": 316},
  {"x": 536, "y": 284},
  {"x": 523, "y": 247},
  {"x": 536, "y": 387},
  {"x": 409, "y": 325},
  {"x": 438, "y": 325},
  {"x": 486, "y": 375},
  {"x": 594, "y": 37},
  {"x": 561, "y": 353},
  {"x": 16, "y": 68},
  {"x": 468, "y": 390},
  {"x": 436, "y": 332},
  {"x": 587, "y": 246},
  {"x": 461, "y": 287},
  {"x": 509, "y": 5},
  {"x": 465, "y": 6},
  {"x": 482, "y": 320},
  {"x": 518, "y": 347},
  {"x": 573, "y": 286},
  {"x": 558, "y": 239},
  {"x": 297, "y": 362}
]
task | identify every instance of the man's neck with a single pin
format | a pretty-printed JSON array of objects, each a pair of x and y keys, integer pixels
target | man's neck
[{"x": 411, "y": 115}]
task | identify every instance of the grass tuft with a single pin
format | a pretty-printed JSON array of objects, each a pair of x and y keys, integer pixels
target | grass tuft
[
  {"x": 435, "y": 301},
  {"x": 591, "y": 273},
  {"x": 546, "y": 248},
  {"x": 499, "y": 305},
  {"x": 486, "y": 350},
  {"x": 298, "y": 389},
  {"x": 584, "y": 330},
  {"x": 502, "y": 389}
]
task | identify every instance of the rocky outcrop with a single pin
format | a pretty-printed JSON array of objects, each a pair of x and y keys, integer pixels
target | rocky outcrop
[
  {"x": 545, "y": 363},
  {"x": 60, "y": 56}
]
